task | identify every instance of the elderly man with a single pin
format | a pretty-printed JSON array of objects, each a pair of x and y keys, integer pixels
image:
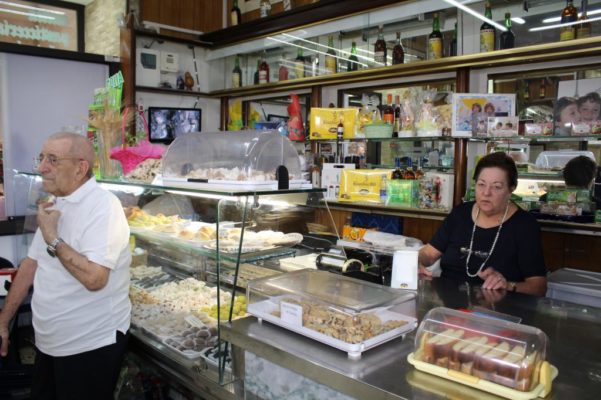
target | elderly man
[{"x": 78, "y": 264}]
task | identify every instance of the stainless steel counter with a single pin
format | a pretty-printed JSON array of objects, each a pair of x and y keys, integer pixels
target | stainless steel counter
[{"x": 383, "y": 373}]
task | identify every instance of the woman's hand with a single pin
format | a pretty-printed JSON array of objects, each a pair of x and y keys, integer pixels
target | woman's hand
[{"x": 492, "y": 279}]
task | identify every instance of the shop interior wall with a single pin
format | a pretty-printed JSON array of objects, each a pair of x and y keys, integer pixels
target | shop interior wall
[
  {"x": 102, "y": 18},
  {"x": 40, "y": 96},
  {"x": 198, "y": 15}
]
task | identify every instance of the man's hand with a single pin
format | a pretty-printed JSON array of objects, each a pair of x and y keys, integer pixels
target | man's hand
[
  {"x": 48, "y": 221},
  {"x": 4, "y": 338},
  {"x": 492, "y": 279}
]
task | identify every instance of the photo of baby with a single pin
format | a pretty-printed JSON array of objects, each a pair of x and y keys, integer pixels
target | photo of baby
[
  {"x": 471, "y": 111},
  {"x": 578, "y": 115}
]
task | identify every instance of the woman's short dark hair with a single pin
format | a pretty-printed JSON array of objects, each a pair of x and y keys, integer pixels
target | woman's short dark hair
[
  {"x": 502, "y": 161},
  {"x": 579, "y": 172}
]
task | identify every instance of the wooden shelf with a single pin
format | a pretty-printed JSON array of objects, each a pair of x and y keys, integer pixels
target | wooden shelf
[
  {"x": 177, "y": 92},
  {"x": 167, "y": 38}
]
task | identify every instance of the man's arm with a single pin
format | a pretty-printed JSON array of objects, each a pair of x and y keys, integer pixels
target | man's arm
[
  {"x": 93, "y": 276},
  {"x": 17, "y": 293}
]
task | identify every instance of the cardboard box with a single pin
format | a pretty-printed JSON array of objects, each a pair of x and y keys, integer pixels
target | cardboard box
[
  {"x": 330, "y": 179},
  {"x": 324, "y": 123},
  {"x": 364, "y": 185}
]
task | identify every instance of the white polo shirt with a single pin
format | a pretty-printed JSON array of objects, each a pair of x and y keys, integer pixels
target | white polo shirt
[{"x": 68, "y": 318}]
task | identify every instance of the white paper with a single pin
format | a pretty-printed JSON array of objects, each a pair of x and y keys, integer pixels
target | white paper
[{"x": 291, "y": 313}]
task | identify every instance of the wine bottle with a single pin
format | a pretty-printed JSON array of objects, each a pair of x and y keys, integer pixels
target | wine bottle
[
  {"x": 331, "y": 61},
  {"x": 453, "y": 46},
  {"x": 256, "y": 77},
  {"x": 569, "y": 14},
  {"x": 398, "y": 52},
  {"x": 487, "y": 32},
  {"x": 435, "y": 40},
  {"x": 398, "y": 172},
  {"x": 507, "y": 37},
  {"x": 237, "y": 75},
  {"x": 583, "y": 30},
  {"x": 235, "y": 14},
  {"x": 397, "y": 116},
  {"x": 353, "y": 61},
  {"x": 283, "y": 71},
  {"x": 380, "y": 48},
  {"x": 299, "y": 64},
  {"x": 388, "y": 112},
  {"x": 264, "y": 70},
  {"x": 542, "y": 89}
]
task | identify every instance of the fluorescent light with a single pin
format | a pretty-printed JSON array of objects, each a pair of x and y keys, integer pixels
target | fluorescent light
[
  {"x": 327, "y": 47},
  {"x": 26, "y": 14},
  {"x": 11, "y": 4},
  {"x": 518, "y": 20},
  {"x": 557, "y": 19},
  {"x": 543, "y": 28},
  {"x": 476, "y": 14},
  {"x": 315, "y": 51}
]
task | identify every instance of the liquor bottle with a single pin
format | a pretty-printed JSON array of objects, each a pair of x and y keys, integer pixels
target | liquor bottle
[
  {"x": 507, "y": 38},
  {"x": 331, "y": 64},
  {"x": 419, "y": 173},
  {"x": 264, "y": 70},
  {"x": 256, "y": 77},
  {"x": 352, "y": 63},
  {"x": 526, "y": 94},
  {"x": 398, "y": 172},
  {"x": 265, "y": 8},
  {"x": 235, "y": 14},
  {"x": 397, "y": 116},
  {"x": 569, "y": 14},
  {"x": 312, "y": 65},
  {"x": 237, "y": 75},
  {"x": 542, "y": 90},
  {"x": 409, "y": 172},
  {"x": 487, "y": 32},
  {"x": 380, "y": 48},
  {"x": 283, "y": 71},
  {"x": 453, "y": 46},
  {"x": 339, "y": 139},
  {"x": 583, "y": 29},
  {"x": 398, "y": 52},
  {"x": 299, "y": 64},
  {"x": 388, "y": 112},
  {"x": 435, "y": 40}
]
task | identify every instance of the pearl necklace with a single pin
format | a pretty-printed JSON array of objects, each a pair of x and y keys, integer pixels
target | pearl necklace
[{"x": 494, "y": 243}]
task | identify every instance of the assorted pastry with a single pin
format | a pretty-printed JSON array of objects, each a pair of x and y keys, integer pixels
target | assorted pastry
[{"x": 491, "y": 358}]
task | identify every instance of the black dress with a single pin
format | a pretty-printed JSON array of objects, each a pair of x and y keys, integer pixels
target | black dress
[{"x": 517, "y": 255}]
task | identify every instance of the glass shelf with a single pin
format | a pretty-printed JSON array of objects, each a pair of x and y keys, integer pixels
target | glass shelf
[
  {"x": 530, "y": 139},
  {"x": 392, "y": 139}
]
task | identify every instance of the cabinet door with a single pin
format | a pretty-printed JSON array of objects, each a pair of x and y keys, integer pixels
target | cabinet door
[
  {"x": 554, "y": 249},
  {"x": 583, "y": 252}
]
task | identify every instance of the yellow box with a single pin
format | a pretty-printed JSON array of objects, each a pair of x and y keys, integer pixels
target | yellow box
[
  {"x": 324, "y": 122},
  {"x": 354, "y": 233},
  {"x": 368, "y": 185}
]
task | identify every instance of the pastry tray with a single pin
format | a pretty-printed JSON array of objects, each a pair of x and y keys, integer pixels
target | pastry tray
[
  {"x": 263, "y": 309},
  {"x": 547, "y": 374}
]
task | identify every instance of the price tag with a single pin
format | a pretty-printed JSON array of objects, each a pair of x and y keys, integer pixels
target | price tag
[
  {"x": 192, "y": 320},
  {"x": 291, "y": 313}
]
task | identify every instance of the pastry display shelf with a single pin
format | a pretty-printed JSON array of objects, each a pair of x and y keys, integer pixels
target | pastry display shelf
[{"x": 535, "y": 139}]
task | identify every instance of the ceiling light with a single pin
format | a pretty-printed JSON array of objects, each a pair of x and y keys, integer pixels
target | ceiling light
[
  {"x": 543, "y": 28},
  {"x": 518, "y": 20},
  {"x": 476, "y": 14},
  {"x": 315, "y": 51}
]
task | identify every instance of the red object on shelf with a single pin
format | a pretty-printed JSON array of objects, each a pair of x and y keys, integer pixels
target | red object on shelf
[{"x": 296, "y": 130}]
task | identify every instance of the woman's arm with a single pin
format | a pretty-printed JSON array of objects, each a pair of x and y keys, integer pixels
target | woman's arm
[
  {"x": 535, "y": 285},
  {"x": 428, "y": 255}
]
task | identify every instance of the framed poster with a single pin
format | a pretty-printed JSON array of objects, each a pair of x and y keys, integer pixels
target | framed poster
[{"x": 471, "y": 111}]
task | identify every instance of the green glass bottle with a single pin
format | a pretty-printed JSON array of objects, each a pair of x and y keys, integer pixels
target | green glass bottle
[{"x": 488, "y": 33}]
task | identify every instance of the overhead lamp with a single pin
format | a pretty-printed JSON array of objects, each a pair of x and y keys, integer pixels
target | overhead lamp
[
  {"x": 313, "y": 50},
  {"x": 518, "y": 20},
  {"x": 543, "y": 28},
  {"x": 476, "y": 14},
  {"x": 557, "y": 19}
]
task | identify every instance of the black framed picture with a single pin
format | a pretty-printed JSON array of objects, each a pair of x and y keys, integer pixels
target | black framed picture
[{"x": 167, "y": 123}]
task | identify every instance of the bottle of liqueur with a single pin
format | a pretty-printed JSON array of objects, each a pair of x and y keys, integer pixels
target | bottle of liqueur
[
  {"x": 453, "y": 46},
  {"x": 435, "y": 40},
  {"x": 237, "y": 75},
  {"x": 339, "y": 140},
  {"x": 542, "y": 90},
  {"x": 409, "y": 172},
  {"x": 299, "y": 64},
  {"x": 487, "y": 32},
  {"x": 265, "y": 8},
  {"x": 283, "y": 71},
  {"x": 388, "y": 112},
  {"x": 256, "y": 77},
  {"x": 380, "y": 48},
  {"x": 235, "y": 14},
  {"x": 398, "y": 172},
  {"x": 397, "y": 116},
  {"x": 507, "y": 37},
  {"x": 398, "y": 52},
  {"x": 331, "y": 61},
  {"x": 353, "y": 62},
  {"x": 569, "y": 14},
  {"x": 264, "y": 70},
  {"x": 419, "y": 172},
  {"x": 583, "y": 30},
  {"x": 526, "y": 93}
]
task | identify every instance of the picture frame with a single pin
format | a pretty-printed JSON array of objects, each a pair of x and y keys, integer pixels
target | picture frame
[
  {"x": 277, "y": 118},
  {"x": 470, "y": 112},
  {"x": 503, "y": 126}
]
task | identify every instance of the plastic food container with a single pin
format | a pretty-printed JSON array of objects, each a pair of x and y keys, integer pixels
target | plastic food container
[
  {"x": 493, "y": 355},
  {"x": 345, "y": 313}
]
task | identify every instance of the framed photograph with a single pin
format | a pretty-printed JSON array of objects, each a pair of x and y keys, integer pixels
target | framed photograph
[
  {"x": 503, "y": 126},
  {"x": 471, "y": 112}
]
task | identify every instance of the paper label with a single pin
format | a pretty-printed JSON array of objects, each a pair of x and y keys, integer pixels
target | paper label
[
  {"x": 435, "y": 47},
  {"x": 291, "y": 313},
  {"x": 487, "y": 40},
  {"x": 192, "y": 320}
]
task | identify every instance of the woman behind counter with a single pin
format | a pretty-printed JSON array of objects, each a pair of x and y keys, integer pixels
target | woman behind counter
[{"x": 490, "y": 241}]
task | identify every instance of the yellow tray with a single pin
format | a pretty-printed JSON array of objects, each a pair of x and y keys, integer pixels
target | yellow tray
[{"x": 547, "y": 373}]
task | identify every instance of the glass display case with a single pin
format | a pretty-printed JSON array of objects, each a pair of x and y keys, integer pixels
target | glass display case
[
  {"x": 194, "y": 253},
  {"x": 233, "y": 160},
  {"x": 484, "y": 351}
]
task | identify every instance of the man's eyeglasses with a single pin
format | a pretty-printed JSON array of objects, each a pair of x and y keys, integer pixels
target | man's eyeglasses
[{"x": 51, "y": 159}]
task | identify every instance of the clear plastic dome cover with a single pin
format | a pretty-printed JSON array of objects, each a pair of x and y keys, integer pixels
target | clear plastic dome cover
[{"x": 231, "y": 156}]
